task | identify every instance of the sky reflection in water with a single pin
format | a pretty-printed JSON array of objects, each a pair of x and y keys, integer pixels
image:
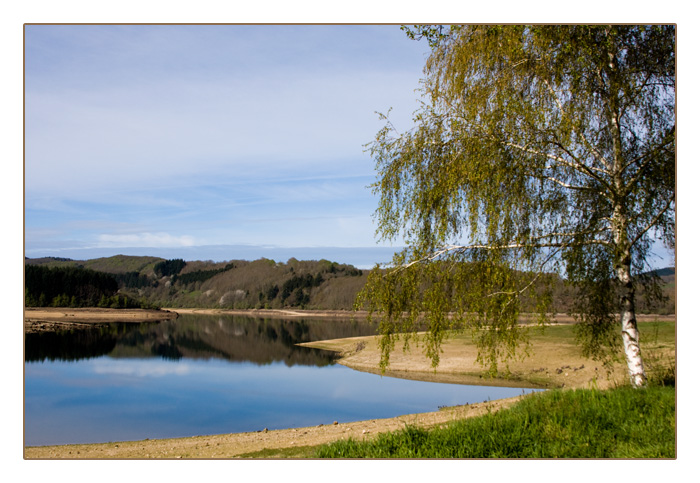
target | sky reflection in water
[{"x": 104, "y": 398}]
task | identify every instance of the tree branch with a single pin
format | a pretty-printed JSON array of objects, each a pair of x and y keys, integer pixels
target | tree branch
[
  {"x": 576, "y": 166},
  {"x": 539, "y": 273},
  {"x": 644, "y": 165},
  {"x": 568, "y": 186},
  {"x": 463, "y": 248},
  {"x": 652, "y": 222},
  {"x": 596, "y": 153}
]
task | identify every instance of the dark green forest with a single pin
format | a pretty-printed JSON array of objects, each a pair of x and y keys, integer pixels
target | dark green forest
[
  {"x": 71, "y": 286},
  {"x": 148, "y": 282}
]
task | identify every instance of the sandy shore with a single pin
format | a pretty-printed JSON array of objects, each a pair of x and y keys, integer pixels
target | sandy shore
[
  {"x": 57, "y": 318},
  {"x": 238, "y": 445},
  {"x": 551, "y": 365}
]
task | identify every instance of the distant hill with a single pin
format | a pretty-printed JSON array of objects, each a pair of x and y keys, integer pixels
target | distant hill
[
  {"x": 45, "y": 260},
  {"x": 234, "y": 284},
  {"x": 664, "y": 272},
  {"x": 115, "y": 264},
  {"x": 264, "y": 283}
]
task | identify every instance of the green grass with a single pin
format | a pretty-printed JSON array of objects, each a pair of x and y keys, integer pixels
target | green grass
[
  {"x": 298, "y": 452},
  {"x": 617, "y": 423}
]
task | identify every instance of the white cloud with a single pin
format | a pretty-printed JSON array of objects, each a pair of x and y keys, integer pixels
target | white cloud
[
  {"x": 145, "y": 240},
  {"x": 138, "y": 368}
]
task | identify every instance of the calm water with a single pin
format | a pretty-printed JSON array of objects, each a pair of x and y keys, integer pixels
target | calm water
[{"x": 202, "y": 375}]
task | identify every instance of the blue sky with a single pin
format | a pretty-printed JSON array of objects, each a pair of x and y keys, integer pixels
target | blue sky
[
  {"x": 175, "y": 138},
  {"x": 212, "y": 141}
]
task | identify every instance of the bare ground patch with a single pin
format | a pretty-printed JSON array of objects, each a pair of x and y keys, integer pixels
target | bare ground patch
[{"x": 59, "y": 318}]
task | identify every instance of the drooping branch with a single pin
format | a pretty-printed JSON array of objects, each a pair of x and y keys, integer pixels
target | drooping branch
[
  {"x": 445, "y": 249},
  {"x": 652, "y": 223},
  {"x": 568, "y": 186},
  {"x": 642, "y": 166},
  {"x": 588, "y": 144},
  {"x": 538, "y": 272},
  {"x": 577, "y": 165}
]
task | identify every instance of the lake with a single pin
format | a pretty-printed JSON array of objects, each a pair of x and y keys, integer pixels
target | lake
[{"x": 201, "y": 375}]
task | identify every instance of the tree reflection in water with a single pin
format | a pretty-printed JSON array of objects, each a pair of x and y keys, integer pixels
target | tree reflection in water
[{"x": 232, "y": 338}]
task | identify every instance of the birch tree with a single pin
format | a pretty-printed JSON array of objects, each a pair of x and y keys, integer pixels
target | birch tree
[{"x": 537, "y": 150}]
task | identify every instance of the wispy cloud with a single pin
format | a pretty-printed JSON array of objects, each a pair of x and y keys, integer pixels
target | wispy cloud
[
  {"x": 140, "y": 369},
  {"x": 145, "y": 240},
  {"x": 192, "y": 135}
]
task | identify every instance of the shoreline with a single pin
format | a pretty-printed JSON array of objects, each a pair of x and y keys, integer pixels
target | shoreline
[
  {"x": 273, "y": 313},
  {"x": 95, "y": 314},
  {"x": 239, "y": 445},
  {"x": 554, "y": 366},
  {"x": 106, "y": 315},
  {"x": 47, "y": 319}
]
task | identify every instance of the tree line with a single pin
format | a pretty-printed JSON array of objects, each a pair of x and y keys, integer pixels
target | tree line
[
  {"x": 200, "y": 275},
  {"x": 243, "y": 284},
  {"x": 74, "y": 287}
]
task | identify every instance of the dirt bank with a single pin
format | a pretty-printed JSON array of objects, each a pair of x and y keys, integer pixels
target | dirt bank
[
  {"x": 57, "y": 318},
  {"x": 559, "y": 365}
]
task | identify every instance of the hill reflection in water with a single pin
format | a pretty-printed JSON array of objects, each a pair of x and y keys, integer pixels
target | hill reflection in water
[{"x": 231, "y": 338}]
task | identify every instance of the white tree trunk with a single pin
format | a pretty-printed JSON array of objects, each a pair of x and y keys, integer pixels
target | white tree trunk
[
  {"x": 630, "y": 334},
  {"x": 633, "y": 354}
]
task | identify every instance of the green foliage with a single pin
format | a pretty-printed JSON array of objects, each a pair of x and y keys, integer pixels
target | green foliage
[
  {"x": 132, "y": 280},
  {"x": 169, "y": 267},
  {"x": 295, "y": 452},
  {"x": 556, "y": 424},
  {"x": 66, "y": 286},
  {"x": 538, "y": 150},
  {"x": 334, "y": 286},
  {"x": 247, "y": 285},
  {"x": 333, "y": 268},
  {"x": 200, "y": 275},
  {"x": 123, "y": 302},
  {"x": 117, "y": 264},
  {"x": 69, "y": 286},
  {"x": 300, "y": 282}
]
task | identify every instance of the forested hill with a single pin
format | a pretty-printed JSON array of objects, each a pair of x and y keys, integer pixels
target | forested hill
[
  {"x": 233, "y": 284},
  {"x": 240, "y": 284}
]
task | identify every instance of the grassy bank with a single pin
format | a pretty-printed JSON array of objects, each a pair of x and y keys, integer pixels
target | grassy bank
[{"x": 584, "y": 423}]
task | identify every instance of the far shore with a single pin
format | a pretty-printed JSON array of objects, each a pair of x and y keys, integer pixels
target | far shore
[
  {"x": 362, "y": 314},
  {"x": 51, "y": 318},
  {"x": 268, "y": 313},
  {"x": 43, "y": 319}
]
